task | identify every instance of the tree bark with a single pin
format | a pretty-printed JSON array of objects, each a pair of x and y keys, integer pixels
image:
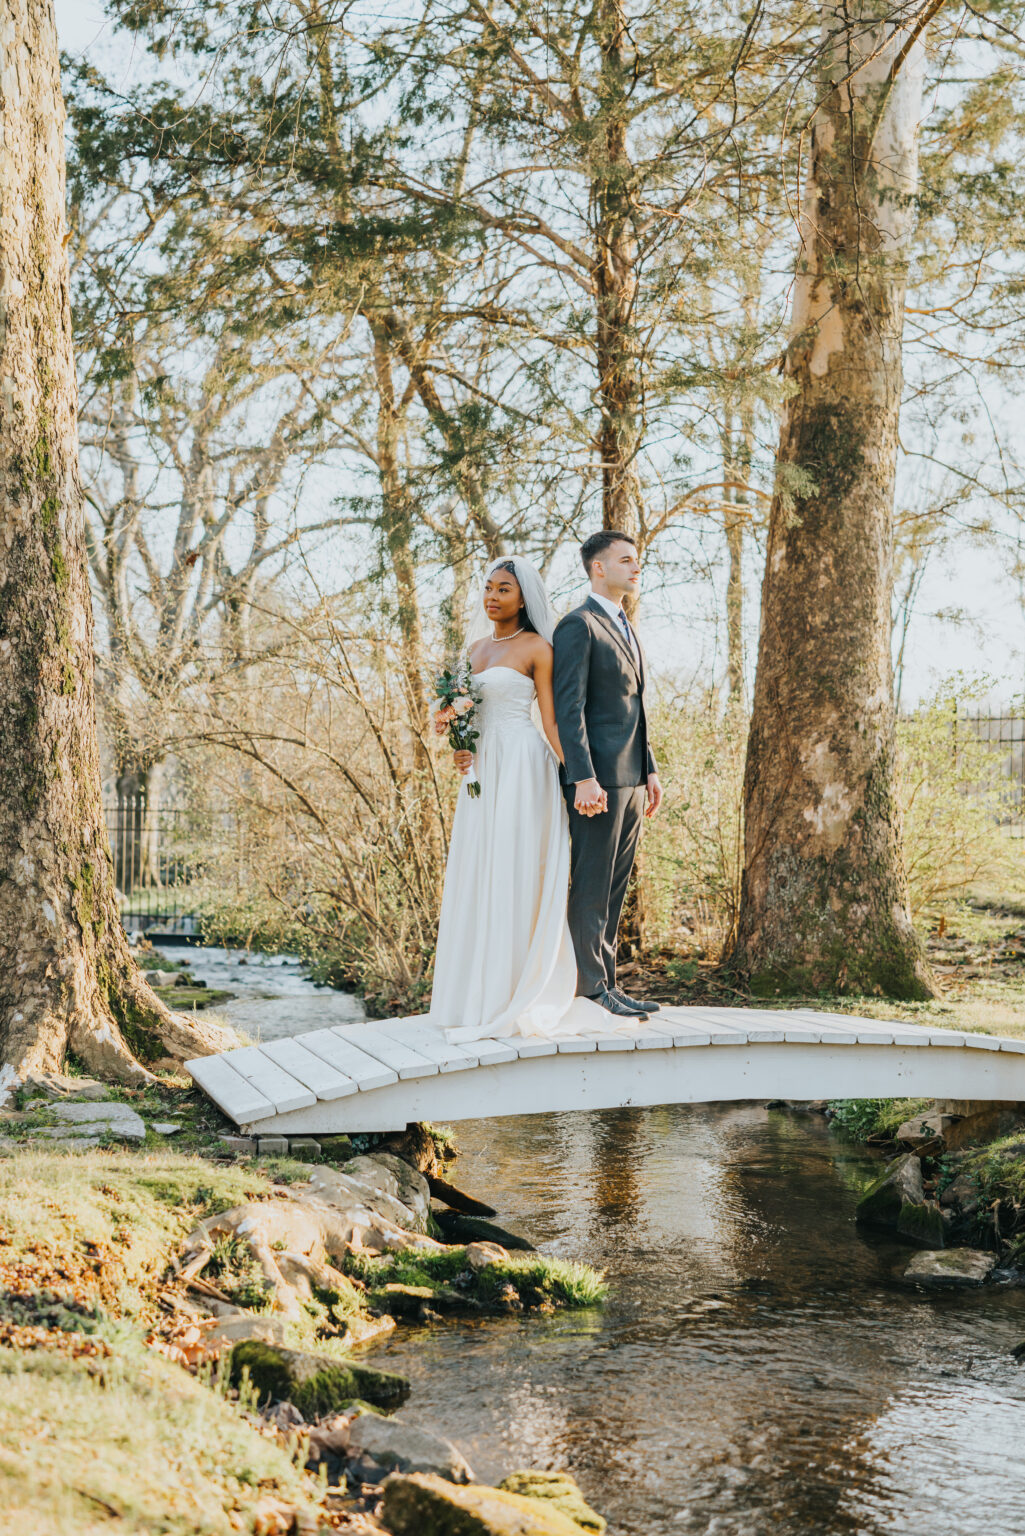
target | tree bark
[
  {"x": 397, "y": 521},
  {"x": 67, "y": 977},
  {"x": 615, "y": 283},
  {"x": 737, "y": 446},
  {"x": 824, "y": 903}
]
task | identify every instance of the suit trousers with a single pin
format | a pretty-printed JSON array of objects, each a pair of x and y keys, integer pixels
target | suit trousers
[{"x": 602, "y": 852}]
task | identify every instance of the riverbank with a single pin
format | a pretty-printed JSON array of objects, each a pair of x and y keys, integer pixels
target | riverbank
[{"x": 183, "y": 1334}]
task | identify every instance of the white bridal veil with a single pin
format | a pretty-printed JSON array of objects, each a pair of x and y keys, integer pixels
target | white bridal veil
[{"x": 535, "y": 598}]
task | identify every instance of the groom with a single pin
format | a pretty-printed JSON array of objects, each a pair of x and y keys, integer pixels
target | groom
[{"x": 609, "y": 778}]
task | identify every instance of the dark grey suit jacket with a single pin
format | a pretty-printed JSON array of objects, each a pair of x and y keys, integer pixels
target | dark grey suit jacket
[{"x": 599, "y": 701}]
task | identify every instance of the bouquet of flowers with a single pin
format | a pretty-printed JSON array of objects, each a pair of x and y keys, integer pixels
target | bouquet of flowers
[{"x": 456, "y": 708}]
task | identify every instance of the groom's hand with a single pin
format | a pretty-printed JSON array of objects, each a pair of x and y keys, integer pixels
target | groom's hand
[
  {"x": 590, "y": 799},
  {"x": 654, "y": 795}
]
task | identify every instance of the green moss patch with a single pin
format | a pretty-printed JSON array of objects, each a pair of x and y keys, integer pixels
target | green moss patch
[
  {"x": 560, "y": 1491},
  {"x": 536, "y": 1278},
  {"x": 317, "y": 1384}
]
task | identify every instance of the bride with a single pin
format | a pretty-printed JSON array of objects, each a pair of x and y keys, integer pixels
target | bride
[{"x": 505, "y": 963}]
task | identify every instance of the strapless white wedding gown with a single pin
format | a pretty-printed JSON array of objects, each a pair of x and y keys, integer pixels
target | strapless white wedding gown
[{"x": 505, "y": 963}]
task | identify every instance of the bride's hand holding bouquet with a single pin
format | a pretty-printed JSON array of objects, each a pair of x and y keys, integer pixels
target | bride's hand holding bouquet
[{"x": 457, "y": 701}]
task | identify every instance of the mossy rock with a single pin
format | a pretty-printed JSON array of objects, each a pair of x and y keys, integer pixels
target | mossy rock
[
  {"x": 409, "y": 1300},
  {"x": 316, "y": 1384},
  {"x": 186, "y": 998},
  {"x": 898, "y": 1186},
  {"x": 923, "y": 1224},
  {"x": 421, "y": 1504},
  {"x": 459, "y": 1228},
  {"x": 558, "y": 1489}
]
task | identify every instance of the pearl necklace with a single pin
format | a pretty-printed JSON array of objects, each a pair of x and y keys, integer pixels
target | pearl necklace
[{"x": 501, "y": 639}]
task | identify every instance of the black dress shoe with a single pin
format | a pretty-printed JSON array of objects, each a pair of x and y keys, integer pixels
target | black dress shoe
[
  {"x": 632, "y": 1002},
  {"x": 613, "y": 1003}
]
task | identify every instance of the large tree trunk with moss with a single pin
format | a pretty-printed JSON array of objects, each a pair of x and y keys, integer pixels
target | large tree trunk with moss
[
  {"x": 67, "y": 977},
  {"x": 824, "y": 903}
]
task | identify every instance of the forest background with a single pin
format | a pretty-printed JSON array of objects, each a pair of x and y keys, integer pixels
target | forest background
[{"x": 339, "y": 336}]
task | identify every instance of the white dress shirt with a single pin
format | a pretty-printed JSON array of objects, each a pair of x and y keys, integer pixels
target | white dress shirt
[{"x": 619, "y": 618}]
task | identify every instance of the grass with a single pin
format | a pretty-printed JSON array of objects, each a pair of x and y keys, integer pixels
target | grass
[
  {"x": 998, "y": 1171},
  {"x": 186, "y": 999},
  {"x": 535, "y": 1277},
  {"x": 95, "y": 1427},
  {"x": 101, "y": 1224},
  {"x": 874, "y": 1119},
  {"x": 137, "y": 1443}
]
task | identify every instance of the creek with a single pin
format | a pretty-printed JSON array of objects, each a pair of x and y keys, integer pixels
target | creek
[{"x": 759, "y": 1366}]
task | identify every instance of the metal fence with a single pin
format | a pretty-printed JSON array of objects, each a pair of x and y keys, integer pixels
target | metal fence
[
  {"x": 1005, "y": 733},
  {"x": 161, "y": 856}
]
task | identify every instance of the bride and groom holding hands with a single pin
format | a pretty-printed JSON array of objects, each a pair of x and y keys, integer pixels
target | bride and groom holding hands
[{"x": 539, "y": 861}]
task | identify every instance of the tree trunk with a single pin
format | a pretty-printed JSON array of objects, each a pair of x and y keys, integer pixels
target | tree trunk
[
  {"x": 824, "y": 904},
  {"x": 615, "y": 279},
  {"x": 67, "y": 977},
  {"x": 397, "y": 527},
  {"x": 737, "y": 447}
]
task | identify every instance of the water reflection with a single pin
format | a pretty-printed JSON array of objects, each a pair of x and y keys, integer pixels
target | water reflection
[{"x": 758, "y": 1368}]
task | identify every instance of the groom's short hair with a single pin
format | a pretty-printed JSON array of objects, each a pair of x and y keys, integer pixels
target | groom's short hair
[{"x": 599, "y": 542}]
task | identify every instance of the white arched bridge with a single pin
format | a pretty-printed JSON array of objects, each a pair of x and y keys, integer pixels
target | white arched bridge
[{"x": 380, "y": 1076}]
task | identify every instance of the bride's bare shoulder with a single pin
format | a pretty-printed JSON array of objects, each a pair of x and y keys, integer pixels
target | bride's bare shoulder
[{"x": 538, "y": 650}]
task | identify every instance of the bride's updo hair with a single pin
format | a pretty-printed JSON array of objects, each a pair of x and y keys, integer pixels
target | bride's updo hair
[{"x": 525, "y": 620}]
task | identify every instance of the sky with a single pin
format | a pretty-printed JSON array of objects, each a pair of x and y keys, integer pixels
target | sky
[{"x": 987, "y": 643}]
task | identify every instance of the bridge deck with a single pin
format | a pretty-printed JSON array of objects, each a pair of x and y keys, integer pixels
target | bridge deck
[{"x": 379, "y": 1076}]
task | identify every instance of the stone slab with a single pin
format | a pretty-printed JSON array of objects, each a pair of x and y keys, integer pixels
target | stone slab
[
  {"x": 947, "y": 1267},
  {"x": 111, "y": 1119}
]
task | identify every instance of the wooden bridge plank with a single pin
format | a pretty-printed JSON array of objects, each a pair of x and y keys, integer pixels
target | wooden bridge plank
[
  {"x": 527, "y": 1046},
  {"x": 366, "y": 1071},
  {"x": 767, "y": 1031},
  {"x": 402, "y": 1059},
  {"x": 616, "y": 1040},
  {"x": 229, "y": 1089},
  {"x": 678, "y": 1031},
  {"x": 312, "y": 1070},
  {"x": 493, "y": 1052},
  {"x": 428, "y": 1040},
  {"x": 719, "y": 1032},
  {"x": 283, "y": 1090},
  {"x": 896, "y": 1031}
]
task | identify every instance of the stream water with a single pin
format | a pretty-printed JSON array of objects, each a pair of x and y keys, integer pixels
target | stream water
[{"x": 758, "y": 1368}]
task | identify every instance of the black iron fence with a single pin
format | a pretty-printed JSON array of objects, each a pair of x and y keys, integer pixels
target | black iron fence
[
  {"x": 1005, "y": 734},
  {"x": 162, "y": 857}
]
